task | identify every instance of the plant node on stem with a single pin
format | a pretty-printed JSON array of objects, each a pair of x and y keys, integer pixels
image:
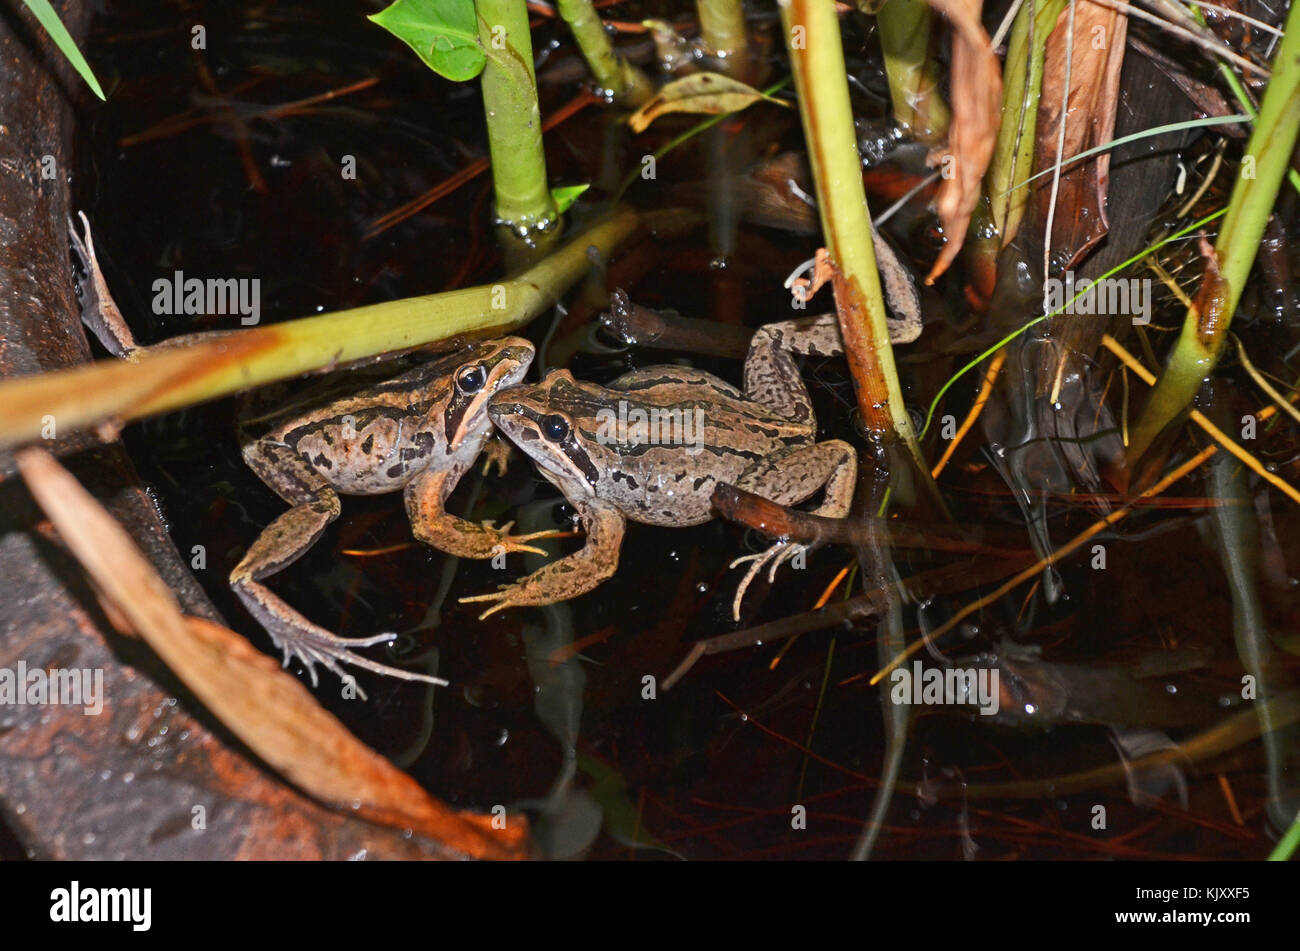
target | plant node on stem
[
  {"x": 514, "y": 121},
  {"x": 627, "y": 84},
  {"x": 722, "y": 24},
  {"x": 913, "y": 73}
]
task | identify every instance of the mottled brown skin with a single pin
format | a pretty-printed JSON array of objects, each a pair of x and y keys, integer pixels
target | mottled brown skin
[
  {"x": 418, "y": 432},
  {"x": 761, "y": 439}
]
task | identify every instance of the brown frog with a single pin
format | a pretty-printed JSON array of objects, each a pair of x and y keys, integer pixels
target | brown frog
[
  {"x": 652, "y": 445},
  {"x": 418, "y": 432}
]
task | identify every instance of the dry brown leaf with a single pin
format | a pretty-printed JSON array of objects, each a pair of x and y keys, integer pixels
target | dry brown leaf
[
  {"x": 976, "y": 112},
  {"x": 268, "y": 709},
  {"x": 702, "y": 93},
  {"x": 1098, "y": 55}
]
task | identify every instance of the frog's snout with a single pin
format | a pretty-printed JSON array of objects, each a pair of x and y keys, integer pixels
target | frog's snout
[
  {"x": 501, "y": 404},
  {"x": 520, "y": 351}
]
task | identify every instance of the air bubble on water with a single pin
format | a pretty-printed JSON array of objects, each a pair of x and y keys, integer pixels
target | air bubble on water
[
  {"x": 20, "y": 809},
  {"x": 503, "y": 738},
  {"x": 128, "y": 778},
  {"x": 702, "y": 587},
  {"x": 1171, "y": 688},
  {"x": 88, "y": 839},
  {"x": 1030, "y": 709}
]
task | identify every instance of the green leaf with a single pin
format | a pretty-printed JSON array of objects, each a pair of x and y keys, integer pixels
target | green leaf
[
  {"x": 444, "y": 33},
  {"x": 44, "y": 13},
  {"x": 566, "y": 195}
]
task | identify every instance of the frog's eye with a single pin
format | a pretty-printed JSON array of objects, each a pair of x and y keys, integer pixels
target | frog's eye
[
  {"x": 555, "y": 428},
  {"x": 471, "y": 379}
]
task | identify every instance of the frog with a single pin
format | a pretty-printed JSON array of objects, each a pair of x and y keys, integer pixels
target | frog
[
  {"x": 600, "y": 447},
  {"x": 417, "y": 432}
]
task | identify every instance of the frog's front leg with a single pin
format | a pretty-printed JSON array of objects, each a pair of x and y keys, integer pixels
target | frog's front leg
[
  {"x": 284, "y": 541},
  {"x": 787, "y": 478},
  {"x": 573, "y": 574},
  {"x": 432, "y": 524}
]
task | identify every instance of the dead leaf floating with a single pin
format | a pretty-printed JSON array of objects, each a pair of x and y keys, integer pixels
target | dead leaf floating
[
  {"x": 1080, "y": 216},
  {"x": 976, "y": 113},
  {"x": 710, "y": 94}
]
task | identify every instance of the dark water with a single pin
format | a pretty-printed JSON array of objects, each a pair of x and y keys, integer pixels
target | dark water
[{"x": 713, "y": 768}]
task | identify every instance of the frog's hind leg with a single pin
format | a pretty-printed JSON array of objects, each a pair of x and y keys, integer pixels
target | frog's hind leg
[
  {"x": 284, "y": 541},
  {"x": 771, "y": 377},
  {"x": 789, "y": 477}
]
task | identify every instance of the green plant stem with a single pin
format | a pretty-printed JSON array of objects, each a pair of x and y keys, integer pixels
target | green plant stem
[
  {"x": 722, "y": 24},
  {"x": 823, "y": 91},
  {"x": 624, "y": 81},
  {"x": 1022, "y": 84},
  {"x": 169, "y": 379},
  {"x": 1237, "y": 535},
  {"x": 1239, "y": 93},
  {"x": 514, "y": 122},
  {"x": 913, "y": 73},
  {"x": 1205, "y": 327},
  {"x": 1287, "y": 845}
]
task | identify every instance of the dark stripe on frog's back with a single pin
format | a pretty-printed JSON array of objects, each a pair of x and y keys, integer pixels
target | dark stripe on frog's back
[
  {"x": 349, "y": 385},
  {"x": 362, "y": 417},
  {"x": 647, "y": 380},
  {"x": 725, "y": 413}
]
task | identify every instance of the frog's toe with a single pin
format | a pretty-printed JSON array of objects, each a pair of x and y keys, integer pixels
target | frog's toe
[
  {"x": 496, "y": 454},
  {"x": 331, "y": 651},
  {"x": 788, "y": 551},
  {"x": 502, "y": 597},
  {"x": 772, "y": 557},
  {"x": 520, "y": 542}
]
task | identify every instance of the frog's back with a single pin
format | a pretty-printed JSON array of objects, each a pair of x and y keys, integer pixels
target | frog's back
[
  {"x": 675, "y": 433},
  {"x": 374, "y": 440}
]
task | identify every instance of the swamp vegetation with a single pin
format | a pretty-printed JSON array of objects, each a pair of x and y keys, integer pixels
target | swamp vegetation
[{"x": 1062, "y": 616}]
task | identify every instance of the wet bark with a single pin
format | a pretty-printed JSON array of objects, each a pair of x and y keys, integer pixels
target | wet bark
[{"x": 127, "y": 782}]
